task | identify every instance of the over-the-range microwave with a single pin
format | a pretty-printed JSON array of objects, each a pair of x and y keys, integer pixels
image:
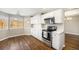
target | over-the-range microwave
[{"x": 50, "y": 20}]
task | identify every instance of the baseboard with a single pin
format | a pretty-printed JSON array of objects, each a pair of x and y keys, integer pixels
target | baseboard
[
  {"x": 72, "y": 35},
  {"x": 11, "y": 36}
]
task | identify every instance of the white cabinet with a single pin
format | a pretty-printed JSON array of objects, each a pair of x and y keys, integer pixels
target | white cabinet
[
  {"x": 35, "y": 19},
  {"x": 47, "y": 15},
  {"x": 58, "y": 40},
  {"x": 58, "y": 14},
  {"x": 42, "y": 19},
  {"x": 36, "y": 31},
  {"x": 39, "y": 33}
]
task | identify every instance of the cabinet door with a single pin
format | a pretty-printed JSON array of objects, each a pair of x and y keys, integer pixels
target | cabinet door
[
  {"x": 36, "y": 19},
  {"x": 58, "y": 41},
  {"x": 32, "y": 20},
  {"x": 39, "y": 33},
  {"x": 59, "y": 16},
  {"x": 42, "y": 20},
  {"x": 62, "y": 40},
  {"x": 55, "y": 41},
  {"x": 36, "y": 31}
]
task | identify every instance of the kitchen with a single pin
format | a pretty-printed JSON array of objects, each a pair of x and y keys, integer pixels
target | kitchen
[
  {"x": 39, "y": 29},
  {"x": 46, "y": 27},
  {"x": 59, "y": 23}
]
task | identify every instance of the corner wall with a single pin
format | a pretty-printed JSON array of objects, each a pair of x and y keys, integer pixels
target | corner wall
[{"x": 72, "y": 26}]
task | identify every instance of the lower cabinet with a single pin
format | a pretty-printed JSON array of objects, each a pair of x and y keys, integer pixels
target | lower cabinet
[
  {"x": 37, "y": 33},
  {"x": 58, "y": 40}
]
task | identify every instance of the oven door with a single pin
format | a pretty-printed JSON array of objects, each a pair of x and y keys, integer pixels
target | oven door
[{"x": 46, "y": 35}]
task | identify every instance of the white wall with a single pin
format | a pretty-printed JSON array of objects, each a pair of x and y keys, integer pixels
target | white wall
[
  {"x": 72, "y": 26},
  {"x": 27, "y": 26},
  {"x": 15, "y": 32}
]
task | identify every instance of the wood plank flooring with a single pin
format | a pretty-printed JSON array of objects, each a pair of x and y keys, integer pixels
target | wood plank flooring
[
  {"x": 30, "y": 43},
  {"x": 23, "y": 43},
  {"x": 71, "y": 42}
]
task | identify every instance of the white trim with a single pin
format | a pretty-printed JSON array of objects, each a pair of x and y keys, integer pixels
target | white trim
[
  {"x": 11, "y": 36},
  {"x": 72, "y": 33}
]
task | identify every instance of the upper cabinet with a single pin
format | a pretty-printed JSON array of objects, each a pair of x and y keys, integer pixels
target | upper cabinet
[
  {"x": 42, "y": 19},
  {"x": 35, "y": 19},
  {"x": 58, "y": 14}
]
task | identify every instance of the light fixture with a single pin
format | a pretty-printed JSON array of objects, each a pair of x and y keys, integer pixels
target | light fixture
[{"x": 69, "y": 18}]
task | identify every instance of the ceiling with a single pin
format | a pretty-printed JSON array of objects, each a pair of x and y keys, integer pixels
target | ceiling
[
  {"x": 29, "y": 11},
  {"x": 26, "y": 11}
]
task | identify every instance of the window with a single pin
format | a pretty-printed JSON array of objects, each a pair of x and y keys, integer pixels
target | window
[
  {"x": 2, "y": 24},
  {"x": 16, "y": 23}
]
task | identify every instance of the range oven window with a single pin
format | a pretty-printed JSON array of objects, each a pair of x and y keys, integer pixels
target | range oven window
[{"x": 46, "y": 35}]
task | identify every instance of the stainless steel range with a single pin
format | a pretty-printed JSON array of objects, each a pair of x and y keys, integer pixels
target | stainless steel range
[{"x": 47, "y": 33}]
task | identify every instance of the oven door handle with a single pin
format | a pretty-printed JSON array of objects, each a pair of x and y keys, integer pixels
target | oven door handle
[{"x": 43, "y": 35}]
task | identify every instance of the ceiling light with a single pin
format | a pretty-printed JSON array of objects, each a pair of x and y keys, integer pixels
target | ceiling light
[{"x": 69, "y": 18}]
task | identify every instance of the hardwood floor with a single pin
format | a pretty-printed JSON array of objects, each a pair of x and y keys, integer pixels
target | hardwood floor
[
  {"x": 30, "y": 43},
  {"x": 71, "y": 42},
  {"x": 23, "y": 43}
]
